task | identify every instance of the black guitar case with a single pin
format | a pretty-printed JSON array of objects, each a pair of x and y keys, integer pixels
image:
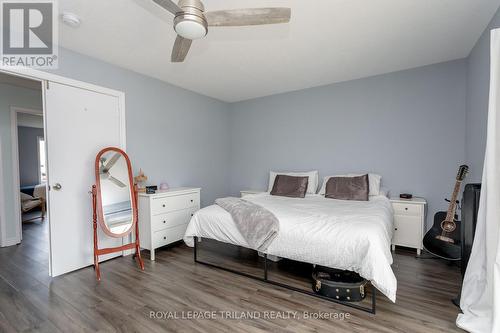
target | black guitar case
[{"x": 341, "y": 285}]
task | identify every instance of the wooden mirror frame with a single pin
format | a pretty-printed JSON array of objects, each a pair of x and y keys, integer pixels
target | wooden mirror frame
[
  {"x": 100, "y": 214},
  {"x": 97, "y": 212}
]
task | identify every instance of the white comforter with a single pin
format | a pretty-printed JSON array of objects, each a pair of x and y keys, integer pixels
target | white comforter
[{"x": 352, "y": 235}]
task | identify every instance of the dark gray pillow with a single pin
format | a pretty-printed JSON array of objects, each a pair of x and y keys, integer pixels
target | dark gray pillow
[
  {"x": 290, "y": 186},
  {"x": 348, "y": 188}
]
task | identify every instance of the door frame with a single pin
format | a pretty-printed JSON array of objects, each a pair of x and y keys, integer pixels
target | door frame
[
  {"x": 2, "y": 205},
  {"x": 38, "y": 139},
  {"x": 16, "y": 174},
  {"x": 44, "y": 78}
]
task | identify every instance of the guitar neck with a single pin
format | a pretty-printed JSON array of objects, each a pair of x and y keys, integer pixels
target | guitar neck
[{"x": 450, "y": 215}]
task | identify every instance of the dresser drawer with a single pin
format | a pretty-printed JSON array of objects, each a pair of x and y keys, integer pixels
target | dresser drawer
[
  {"x": 163, "y": 205},
  {"x": 169, "y": 235},
  {"x": 172, "y": 219},
  {"x": 408, "y": 231},
  {"x": 406, "y": 209}
]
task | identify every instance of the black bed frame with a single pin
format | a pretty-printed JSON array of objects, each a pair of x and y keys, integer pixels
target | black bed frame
[{"x": 264, "y": 278}]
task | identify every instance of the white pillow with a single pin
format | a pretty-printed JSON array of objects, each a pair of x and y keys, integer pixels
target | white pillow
[
  {"x": 373, "y": 182},
  {"x": 312, "y": 182}
]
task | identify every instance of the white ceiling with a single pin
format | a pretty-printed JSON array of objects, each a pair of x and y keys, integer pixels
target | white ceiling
[{"x": 326, "y": 41}]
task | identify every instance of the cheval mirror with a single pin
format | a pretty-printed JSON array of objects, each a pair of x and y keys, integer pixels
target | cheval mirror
[{"x": 114, "y": 203}]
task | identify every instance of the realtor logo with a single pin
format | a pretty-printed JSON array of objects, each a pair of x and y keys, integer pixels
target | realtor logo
[{"x": 29, "y": 33}]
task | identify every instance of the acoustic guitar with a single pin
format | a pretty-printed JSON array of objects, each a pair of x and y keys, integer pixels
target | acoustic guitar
[{"x": 443, "y": 239}]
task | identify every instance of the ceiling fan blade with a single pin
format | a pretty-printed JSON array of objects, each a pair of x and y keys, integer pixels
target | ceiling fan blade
[
  {"x": 112, "y": 161},
  {"x": 248, "y": 16},
  {"x": 115, "y": 181},
  {"x": 169, "y": 5},
  {"x": 181, "y": 48}
]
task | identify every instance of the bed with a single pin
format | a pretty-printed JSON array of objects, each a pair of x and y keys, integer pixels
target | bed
[{"x": 342, "y": 234}]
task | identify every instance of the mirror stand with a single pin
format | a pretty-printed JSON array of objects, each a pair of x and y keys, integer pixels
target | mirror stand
[{"x": 134, "y": 245}]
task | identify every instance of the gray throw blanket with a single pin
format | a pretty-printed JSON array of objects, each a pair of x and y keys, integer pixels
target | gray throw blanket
[{"x": 256, "y": 224}]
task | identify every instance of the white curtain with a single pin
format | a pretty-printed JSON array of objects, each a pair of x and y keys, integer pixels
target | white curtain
[{"x": 480, "y": 300}]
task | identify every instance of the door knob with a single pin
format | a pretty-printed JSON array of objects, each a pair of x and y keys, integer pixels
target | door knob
[{"x": 57, "y": 186}]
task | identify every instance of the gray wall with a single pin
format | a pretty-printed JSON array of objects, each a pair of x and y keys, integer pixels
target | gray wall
[
  {"x": 478, "y": 83},
  {"x": 24, "y": 98},
  {"x": 173, "y": 134},
  {"x": 407, "y": 126},
  {"x": 28, "y": 154}
]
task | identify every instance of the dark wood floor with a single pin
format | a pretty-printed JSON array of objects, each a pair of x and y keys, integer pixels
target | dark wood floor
[{"x": 174, "y": 285}]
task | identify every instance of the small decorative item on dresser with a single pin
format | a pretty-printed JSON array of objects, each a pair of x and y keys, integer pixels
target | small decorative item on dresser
[
  {"x": 140, "y": 179},
  {"x": 409, "y": 221},
  {"x": 165, "y": 215},
  {"x": 406, "y": 195},
  {"x": 151, "y": 189},
  {"x": 164, "y": 186}
]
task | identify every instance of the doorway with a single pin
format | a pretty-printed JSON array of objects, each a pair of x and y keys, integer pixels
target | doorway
[
  {"x": 30, "y": 171},
  {"x": 24, "y": 220},
  {"x": 70, "y": 141}
]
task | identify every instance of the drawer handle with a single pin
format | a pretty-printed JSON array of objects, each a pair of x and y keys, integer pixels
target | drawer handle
[
  {"x": 395, "y": 228},
  {"x": 164, "y": 221},
  {"x": 406, "y": 208},
  {"x": 164, "y": 237},
  {"x": 191, "y": 200},
  {"x": 192, "y": 214},
  {"x": 163, "y": 205}
]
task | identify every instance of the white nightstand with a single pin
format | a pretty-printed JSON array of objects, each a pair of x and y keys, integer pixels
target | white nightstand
[
  {"x": 248, "y": 192},
  {"x": 409, "y": 221}
]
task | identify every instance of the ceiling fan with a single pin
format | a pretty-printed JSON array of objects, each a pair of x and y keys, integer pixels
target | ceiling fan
[
  {"x": 104, "y": 169},
  {"x": 192, "y": 22}
]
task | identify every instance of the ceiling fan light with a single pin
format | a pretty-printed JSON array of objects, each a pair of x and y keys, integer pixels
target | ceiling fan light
[{"x": 190, "y": 29}]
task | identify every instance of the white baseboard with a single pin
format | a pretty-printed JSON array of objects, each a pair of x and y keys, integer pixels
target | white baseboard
[{"x": 9, "y": 242}]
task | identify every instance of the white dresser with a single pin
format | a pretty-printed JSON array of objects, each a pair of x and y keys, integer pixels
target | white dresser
[
  {"x": 164, "y": 216},
  {"x": 409, "y": 222}
]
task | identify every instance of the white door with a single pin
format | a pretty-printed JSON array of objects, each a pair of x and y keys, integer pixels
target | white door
[{"x": 79, "y": 123}]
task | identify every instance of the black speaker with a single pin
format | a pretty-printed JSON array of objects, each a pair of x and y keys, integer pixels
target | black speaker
[{"x": 470, "y": 207}]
